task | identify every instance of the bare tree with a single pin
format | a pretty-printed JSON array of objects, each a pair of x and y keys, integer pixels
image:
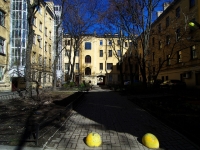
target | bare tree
[{"x": 80, "y": 16}]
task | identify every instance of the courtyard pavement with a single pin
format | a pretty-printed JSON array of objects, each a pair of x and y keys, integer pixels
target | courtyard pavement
[{"x": 120, "y": 123}]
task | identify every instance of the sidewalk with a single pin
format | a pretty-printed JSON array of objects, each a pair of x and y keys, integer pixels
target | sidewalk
[{"x": 120, "y": 123}]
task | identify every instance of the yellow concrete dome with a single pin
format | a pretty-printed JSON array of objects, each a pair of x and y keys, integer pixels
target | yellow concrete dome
[
  {"x": 93, "y": 139},
  {"x": 149, "y": 140}
]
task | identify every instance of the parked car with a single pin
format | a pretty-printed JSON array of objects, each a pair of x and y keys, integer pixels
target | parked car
[
  {"x": 173, "y": 84},
  {"x": 127, "y": 82},
  {"x": 155, "y": 83}
]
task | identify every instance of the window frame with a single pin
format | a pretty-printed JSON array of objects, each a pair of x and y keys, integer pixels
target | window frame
[
  {"x": 101, "y": 42},
  {"x": 100, "y": 66},
  {"x": 2, "y": 18},
  {"x": 88, "y": 47},
  {"x": 109, "y": 66},
  {"x": 109, "y": 53},
  {"x": 100, "y": 53},
  {"x": 87, "y": 59},
  {"x": 1, "y": 73},
  {"x": 2, "y": 48},
  {"x": 88, "y": 71},
  {"x": 40, "y": 26},
  {"x": 178, "y": 12},
  {"x": 77, "y": 66}
]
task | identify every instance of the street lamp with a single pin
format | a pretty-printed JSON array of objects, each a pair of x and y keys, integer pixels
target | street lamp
[{"x": 193, "y": 23}]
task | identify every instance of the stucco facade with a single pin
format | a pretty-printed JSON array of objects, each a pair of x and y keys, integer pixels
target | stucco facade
[
  {"x": 5, "y": 83},
  {"x": 174, "y": 45}
]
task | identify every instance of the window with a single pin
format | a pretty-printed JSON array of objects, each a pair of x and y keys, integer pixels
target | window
[
  {"x": 192, "y": 3},
  {"x": 77, "y": 66},
  {"x": 159, "y": 28},
  {"x": 66, "y": 66},
  {"x": 126, "y": 44},
  {"x": 167, "y": 21},
  {"x": 87, "y": 59},
  {"x": 109, "y": 66},
  {"x": 49, "y": 34},
  {"x": 45, "y": 62},
  {"x": 87, "y": 71},
  {"x": 179, "y": 57},
  {"x": 49, "y": 63},
  {"x": 100, "y": 66},
  {"x": 1, "y": 73},
  {"x": 167, "y": 40},
  {"x": 2, "y": 18},
  {"x": 45, "y": 31},
  {"x": 178, "y": 12},
  {"x": 35, "y": 21},
  {"x": 76, "y": 53},
  {"x": 118, "y": 42},
  {"x": 34, "y": 39},
  {"x": 168, "y": 60},
  {"x": 40, "y": 59},
  {"x": 1, "y": 46},
  {"x": 67, "y": 52},
  {"x": 110, "y": 77},
  {"x": 101, "y": 53},
  {"x": 159, "y": 44},
  {"x": 153, "y": 56},
  {"x": 110, "y": 53},
  {"x": 178, "y": 34},
  {"x": 45, "y": 47},
  {"x": 40, "y": 43},
  {"x": 119, "y": 53},
  {"x": 88, "y": 45},
  {"x": 101, "y": 42},
  {"x": 193, "y": 52},
  {"x": 153, "y": 41},
  {"x": 110, "y": 42},
  {"x": 40, "y": 26},
  {"x": 44, "y": 79},
  {"x": 159, "y": 61}
]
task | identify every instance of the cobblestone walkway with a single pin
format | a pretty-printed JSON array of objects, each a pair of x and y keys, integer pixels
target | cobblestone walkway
[{"x": 120, "y": 123}]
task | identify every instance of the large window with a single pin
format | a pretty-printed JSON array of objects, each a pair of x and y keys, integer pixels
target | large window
[
  {"x": 2, "y": 18},
  {"x": 193, "y": 52},
  {"x": 88, "y": 59},
  {"x": 119, "y": 53},
  {"x": 1, "y": 73},
  {"x": 192, "y": 3},
  {"x": 101, "y": 42},
  {"x": 178, "y": 34},
  {"x": 87, "y": 71},
  {"x": 179, "y": 56},
  {"x": 100, "y": 66},
  {"x": 110, "y": 53},
  {"x": 66, "y": 66},
  {"x": 101, "y": 53},
  {"x": 1, "y": 46},
  {"x": 88, "y": 45},
  {"x": 178, "y": 12},
  {"x": 77, "y": 66},
  {"x": 168, "y": 60},
  {"x": 67, "y": 52},
  {"x": 109, "y": 66},
  {"x": 167, "y": 21}
]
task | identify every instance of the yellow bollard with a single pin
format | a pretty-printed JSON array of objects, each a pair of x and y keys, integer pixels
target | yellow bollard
[
  {"x": 93, "y": 139},
  {"x": 149, "y": 140}
]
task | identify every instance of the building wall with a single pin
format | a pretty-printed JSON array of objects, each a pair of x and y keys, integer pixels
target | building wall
[
  {"x": 5, "y": 84},
  {"x": 181, "y": 64},
  {"x": 42, "y": 50},
  {"x": 111, "y": 76}
]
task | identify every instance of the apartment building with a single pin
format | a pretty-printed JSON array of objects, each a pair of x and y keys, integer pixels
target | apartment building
[
  {"x": 5, "y": 84},
  {"x": 174, "y": 44},
  {"x": 43, "y": 42}
]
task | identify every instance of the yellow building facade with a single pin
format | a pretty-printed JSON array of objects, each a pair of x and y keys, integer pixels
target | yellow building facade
[
  {"x": 43, "y": 42},
  {"x": 96, "y": 58},
  {"x": 5, "y": 84},
  {"x": 174, "y": 45}
]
